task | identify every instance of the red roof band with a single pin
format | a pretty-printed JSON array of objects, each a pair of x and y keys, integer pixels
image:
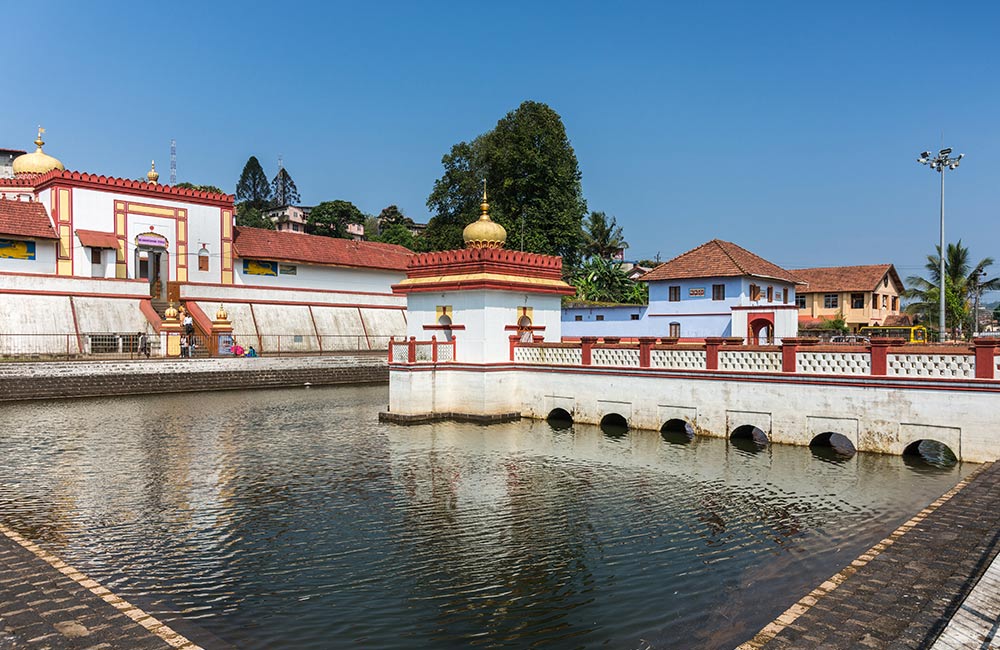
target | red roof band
[
  {"x": 97, "y": 239},
  {"x": 261, "y": 244}
]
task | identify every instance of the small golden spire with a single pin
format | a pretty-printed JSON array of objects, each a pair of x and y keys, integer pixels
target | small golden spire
[
  {"x": 484, "y": 207},
  {"x": 484, "y": 232},
  {"x": 38, "y": 141},
  {"x": 152, "y": 176}
]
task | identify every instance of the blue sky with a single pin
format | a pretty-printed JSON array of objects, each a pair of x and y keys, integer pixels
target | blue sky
[{"x": 790, "y": 128}]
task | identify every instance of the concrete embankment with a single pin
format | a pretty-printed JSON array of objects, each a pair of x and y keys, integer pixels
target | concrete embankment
[{"x": 54, "y": 380}]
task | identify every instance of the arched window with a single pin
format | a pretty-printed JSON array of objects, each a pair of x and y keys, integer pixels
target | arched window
[{"x": 203, "y": 258}]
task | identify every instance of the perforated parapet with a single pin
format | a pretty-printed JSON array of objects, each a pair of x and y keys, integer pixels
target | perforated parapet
[
  {"x": 962, "y": 366},
  {"x": 615, "y": 357},
  {"x": 750, "y": 361},
  {"x": 677, "y": 359},
  {"x": 834, "y": 363},
  {"x": 552, "y": 356}
]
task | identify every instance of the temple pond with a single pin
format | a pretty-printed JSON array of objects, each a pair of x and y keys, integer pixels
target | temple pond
[{"x": 292, "y": 518}]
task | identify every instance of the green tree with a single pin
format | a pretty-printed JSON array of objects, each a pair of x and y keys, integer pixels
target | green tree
[
  {"x": 397, "y": 233},
  {"x": 211, "y": 189},
  {"x": 331, "y": 218},
  {"x": 253, "y": 188},
  {"x": 961, "y": 282},
  {"x": 532, "y": 178},
  {"x": 600, "y": 280},
  {"x": 283, "y": 190},
  {"x": 247, "y": 215},
  {"x": 602, "y": 238},
  {"x": 372, "y": 230},
  {"x": 391, "y": 215}
]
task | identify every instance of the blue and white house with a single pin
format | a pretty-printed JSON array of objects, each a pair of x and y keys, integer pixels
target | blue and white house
[{"x": 716, "y": 289}]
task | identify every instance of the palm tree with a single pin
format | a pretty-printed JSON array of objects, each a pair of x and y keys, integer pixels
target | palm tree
[
  {"x": 602, "y": 238},
  {"x": 961, "y": 283}
]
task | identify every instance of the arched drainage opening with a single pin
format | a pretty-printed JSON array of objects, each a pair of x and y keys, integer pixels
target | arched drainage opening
[
  {"x": 677, "y": 432},
  {"x": 560, "y": 419},
  {"x": 614, "y": 425},
  {"x": 929, "y": 453},
  {"x": 832, "y": 446},
  {"x": 748, "y": 438}
]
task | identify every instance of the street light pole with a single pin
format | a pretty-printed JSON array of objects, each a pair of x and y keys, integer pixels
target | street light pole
[{"x": 939, "y": 163}]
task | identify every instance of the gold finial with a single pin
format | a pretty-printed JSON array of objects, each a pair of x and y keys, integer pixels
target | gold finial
[
  {"x": 221, "y": 314},
  {"x": 152, "y": 176},
  {"x": 484, "y": 207},
  {"x": 170, "y": 313},
  {"x": 38, "y": 141}
]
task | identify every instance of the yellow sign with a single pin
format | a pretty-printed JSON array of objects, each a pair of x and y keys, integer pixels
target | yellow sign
[
  {"x": 259, "y": 267},
  {"x": 13, "y": 249}
]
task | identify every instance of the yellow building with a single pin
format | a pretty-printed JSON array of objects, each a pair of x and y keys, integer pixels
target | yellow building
[{"x": 863, "y": 295}]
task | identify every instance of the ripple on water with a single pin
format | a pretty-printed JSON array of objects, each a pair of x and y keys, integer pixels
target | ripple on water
[{"x": 269, "y": 516}]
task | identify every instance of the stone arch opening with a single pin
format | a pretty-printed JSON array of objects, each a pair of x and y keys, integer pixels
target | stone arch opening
[
  {"x": 677, "y": 431},
  {"x": 559, "y": 419},
  {"x": 929, "y": 452},
  {"x": 749, "y": 433},
  {"x": 831, "y": 445},
  {"x": 445, "y": 322},
  {"x": 614, "y": 425},
  {"x": 761, "y": 330}
]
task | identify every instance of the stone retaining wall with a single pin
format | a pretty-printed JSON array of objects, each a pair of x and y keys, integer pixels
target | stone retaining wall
[{"x": 29, "y": 381}]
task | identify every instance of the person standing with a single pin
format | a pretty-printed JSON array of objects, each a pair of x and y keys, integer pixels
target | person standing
[
  {"x": 144, "y": 344},
  {"x": 188, "y": 324}
]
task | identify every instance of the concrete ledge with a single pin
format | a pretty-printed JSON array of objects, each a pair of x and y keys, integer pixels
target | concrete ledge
[{"x": 424, "y": 418}]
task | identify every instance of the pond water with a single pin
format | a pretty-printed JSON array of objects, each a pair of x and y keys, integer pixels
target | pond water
[{"x": 292, "y": 518}]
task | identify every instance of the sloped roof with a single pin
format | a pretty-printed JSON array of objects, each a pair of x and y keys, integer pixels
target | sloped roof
[
  {"x": 262, "y": 244},
  {"x": 25, "y": 219},
  {"x": 718, "y": 258},
  {"x": 835, "y": 279},
  {"x": 97, "y": 239}
]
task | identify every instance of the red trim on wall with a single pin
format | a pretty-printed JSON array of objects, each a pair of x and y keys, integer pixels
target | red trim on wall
[
  {"x": 253, "y": 287},
  {"x": 199, "y": 316},
  {"x": 516, "y": 328},
  {"x": 444, "y": 327},
  {"x": 126, "y": 186},
  {"x": 36, "y": 292},
  {"x": 256, "y": 329},
  {"x": 312, "y": 318},
  {"x": 146, "y": 307},
  {"x": 364, "y": 328},
  {"x": 76, "y": 324},
  {"x": 482, "y": 285},
  {"x": 52, "y": 275},
  {"x": 763, "y": 308},
  {"x": 294, "y": 302}
]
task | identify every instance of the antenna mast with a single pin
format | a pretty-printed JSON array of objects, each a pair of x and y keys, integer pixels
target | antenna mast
[{"x": 173, "y": 161}]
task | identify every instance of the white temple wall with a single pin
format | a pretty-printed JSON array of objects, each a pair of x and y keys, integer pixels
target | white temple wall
[
  {"x": 44, "y": 262},
  {"x": 326, "y": 278},
  {"x": 236, "y": 293},
  {"x": 119, "y": 315}
]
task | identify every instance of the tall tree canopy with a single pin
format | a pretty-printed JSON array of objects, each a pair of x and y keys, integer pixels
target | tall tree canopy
[
  {"x": 247, "y": 215},
  {"x": 391, "y": 215},
  {"x": 532, "y": 178},
  {"x": 602, "y": 238},
  {"x": 283, "y": 190},
  {"x": 253, "y": 188},
  {"x": 396, "y": 233},
  {"x": 330, "y": 218},
  {"x": 961, "y": 282}
]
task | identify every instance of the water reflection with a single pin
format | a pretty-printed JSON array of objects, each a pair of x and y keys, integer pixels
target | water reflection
[{"x": 276, "y": 515}]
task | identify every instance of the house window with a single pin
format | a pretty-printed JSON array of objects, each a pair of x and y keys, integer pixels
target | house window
[
  {"x": 857, "y": 301},
  {"x": 95, "y": 255},
  {"x": 770, "y": 294},
  {"x": 784, "y": 295},
  {"x": 800, "y": 300},
  {"x": 675, "y": 330},
  {"x": 754, "y": 292},
  {"x": 830, "y": 301},
  {"x": 635, "y": 316},
  {"x": 675, "y": 294},
  {"x": 718, "y": 292},
  {"x": 885, "y": 301},
  {"x": 874, "y": 301},
  {"x": 578, "y": 317},
  {"x": 895, "y": 303},
  {"x": 599, "y": 317}
]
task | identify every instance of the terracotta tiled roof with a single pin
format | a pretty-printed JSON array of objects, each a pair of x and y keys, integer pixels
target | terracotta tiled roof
[
  {"x": 718, "y": 258},
  {"x": 97, "y": 239},
  {"x": 835, "y": 279},
  {"x": 897, "y": 320},
  {"x": 25, "y": 219},
  {"x": 261, "y": 244}
]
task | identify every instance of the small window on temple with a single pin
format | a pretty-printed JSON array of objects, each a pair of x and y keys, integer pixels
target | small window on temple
[
  {"x": 784, "y": 295},
  {"x": 599, "y": 317},
  {"x": 578, "y": 317},
  {"x": 95, "y": 255},
  {"x": 718, "y": 292},
  {"x": 675, "y": 294},
  {"x": 770, "y": 294},
  {"x": 635, "y": 316},
  {"x": 675, "y": 330},
  {"x": 754, "y": 292},
  {"x": 203, "y": 258}
]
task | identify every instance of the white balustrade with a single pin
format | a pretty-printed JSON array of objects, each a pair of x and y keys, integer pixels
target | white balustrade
[
  {"x": 962, "y": 366},
  {"x": 834, "y": 363},
  {"x": 615, "y": 357},
  {"x": 677, "y": 359},
  {"x": 750, "y": 360}
]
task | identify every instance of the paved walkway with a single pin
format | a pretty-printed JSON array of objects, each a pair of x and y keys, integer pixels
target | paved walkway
[
  {"x": 45, "y": 603},
  {"x": 903, "y": 592}
]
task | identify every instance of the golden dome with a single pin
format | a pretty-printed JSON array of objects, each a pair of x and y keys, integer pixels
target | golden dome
[
  {"x": 38, "y": 162},
  {"x": 221, "y": 315},
  {"x": 484, "y": 233},
  {"x": 170, "y": 313},
  {"x": 152, "y": 176}
]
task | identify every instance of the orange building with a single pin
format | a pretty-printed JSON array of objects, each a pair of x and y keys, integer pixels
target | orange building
[{"x": 864, "y": 295}]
